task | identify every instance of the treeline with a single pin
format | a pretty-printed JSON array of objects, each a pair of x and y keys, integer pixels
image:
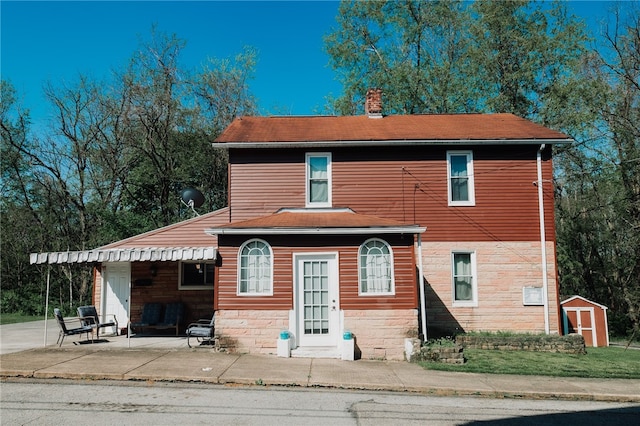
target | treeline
[
  {"x": 111, "y": 162},
  {"x": 116, "y": 156}
]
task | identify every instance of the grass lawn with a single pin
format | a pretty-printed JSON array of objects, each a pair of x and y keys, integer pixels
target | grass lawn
[
  {"x": 8, "y": 318},
  {"x": 611, "y": 362}
]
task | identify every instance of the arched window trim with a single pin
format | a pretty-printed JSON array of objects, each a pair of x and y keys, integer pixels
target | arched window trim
[
  {"x": 265, "y": 292},
  {"x": 392, "y": 286}
]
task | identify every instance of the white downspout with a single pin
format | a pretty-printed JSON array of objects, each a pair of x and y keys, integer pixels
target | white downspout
[
  {"x": 543, "y": 241},
  {"x": 423, "y": 304}
]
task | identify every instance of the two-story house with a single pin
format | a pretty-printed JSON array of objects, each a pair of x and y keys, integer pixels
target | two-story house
[{"x": 383, "y": 226}]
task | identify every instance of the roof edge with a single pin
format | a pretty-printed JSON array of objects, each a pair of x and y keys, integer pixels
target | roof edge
[
  {"x": 403, "y": 142},
  {"x": 411, "y": 229}
]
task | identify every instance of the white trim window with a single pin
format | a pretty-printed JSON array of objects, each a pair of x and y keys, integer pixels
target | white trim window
[
  {"x": 460, "y": 183},
  {"x": 464, "y": 278},
  {"x": 318, "y": 179},
  {"x": 196, "y": 275},
  {"x": 255, "y": 269},
  {"x": 375, "y": 268}
]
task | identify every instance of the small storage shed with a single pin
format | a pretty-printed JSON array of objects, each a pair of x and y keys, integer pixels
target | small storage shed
[{"x": 587, "y": 318}]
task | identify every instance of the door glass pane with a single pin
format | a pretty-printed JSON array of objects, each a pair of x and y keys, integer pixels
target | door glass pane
[{"x": 316, "y": 297}]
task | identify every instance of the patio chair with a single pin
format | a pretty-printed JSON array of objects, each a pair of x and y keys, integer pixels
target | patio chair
[
  {"x": 89, "y": 317},
  {"x": 203, "y": 330},
  {"x": 66, "y": 331},
  {"x": 150, "y": 316},
  {"x": 172, "y": 317}
]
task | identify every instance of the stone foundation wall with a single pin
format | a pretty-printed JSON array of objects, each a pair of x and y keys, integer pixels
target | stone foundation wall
[
  {"x": 380, "y": 334},
  {"x": 250, "y": 331}
]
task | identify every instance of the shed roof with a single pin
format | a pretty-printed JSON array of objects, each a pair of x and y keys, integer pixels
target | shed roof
[
  {"x": 396, "y": 129},
  {"x": 583, "y": 300}
]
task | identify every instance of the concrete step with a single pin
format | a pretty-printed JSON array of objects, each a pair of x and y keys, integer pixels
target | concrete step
[{"x": 316, "y": 352}]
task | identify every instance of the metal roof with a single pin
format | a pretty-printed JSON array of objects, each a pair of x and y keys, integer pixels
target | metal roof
[{"x": 148, "y": 254}]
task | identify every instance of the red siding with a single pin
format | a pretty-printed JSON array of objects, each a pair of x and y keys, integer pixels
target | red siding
[
  {"x": 408, "y": 185},
  {"x": 347, "y": 248}
]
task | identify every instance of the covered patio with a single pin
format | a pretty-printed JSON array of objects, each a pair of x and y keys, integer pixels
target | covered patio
[{"x": 124, "y": 279}]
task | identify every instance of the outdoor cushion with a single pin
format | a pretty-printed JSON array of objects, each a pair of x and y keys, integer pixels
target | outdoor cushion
[{"x": 151, "y": 313}]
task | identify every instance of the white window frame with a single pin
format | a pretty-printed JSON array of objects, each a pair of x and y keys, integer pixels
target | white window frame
[
  {"x": 308, "y": 157},
  {"x": 470, "y": 179},
  {"x": 474, "y": 280},
  {"x": 392, "y": 290},
  {"x": 204, "y": 264},
  {"x": 268, "y": 292}
]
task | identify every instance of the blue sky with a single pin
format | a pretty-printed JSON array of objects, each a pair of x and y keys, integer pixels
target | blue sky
[{"x": 56, "y": 41}]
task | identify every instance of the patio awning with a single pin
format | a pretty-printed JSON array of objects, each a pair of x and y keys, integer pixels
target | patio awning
[{"x": 147, "y": 254}]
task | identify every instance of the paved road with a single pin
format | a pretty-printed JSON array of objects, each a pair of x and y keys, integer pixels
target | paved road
[{"x": 100, "y": 403}]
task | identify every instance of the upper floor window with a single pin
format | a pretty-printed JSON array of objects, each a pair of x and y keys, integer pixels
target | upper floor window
[
  {"x": 196, "y": 276},
  {"x": 375, "y": 268},
  {"x": 318, "y": 180},
  {"x": 465, "y": 289},
  {"x": 460, "y": 181},
  {"x": 255, "y": 271}
]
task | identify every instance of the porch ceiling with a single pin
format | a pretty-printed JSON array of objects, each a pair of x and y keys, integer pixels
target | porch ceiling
[{"x": 147, "y": 254}]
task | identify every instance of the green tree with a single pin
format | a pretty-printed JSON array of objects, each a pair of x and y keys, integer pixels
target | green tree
[
  {"x": 599, "y": 211},
  {"x": 417, "y": 51},
  {"x": 451, "y": 56},
  {"x": 112, "y": 162}
]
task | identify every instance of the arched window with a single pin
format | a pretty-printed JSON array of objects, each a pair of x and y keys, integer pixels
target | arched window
[
  {"x": 255, "y": 269},
  {"x": 375, "y": 268}
]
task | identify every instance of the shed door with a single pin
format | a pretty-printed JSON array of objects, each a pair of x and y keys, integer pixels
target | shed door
[
  {"x": 581, "y": 321},
  {"x": 317, "y": 294}
]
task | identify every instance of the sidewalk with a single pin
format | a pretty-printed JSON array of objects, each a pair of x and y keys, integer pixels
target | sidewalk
[{"x": 169, "y": 359}]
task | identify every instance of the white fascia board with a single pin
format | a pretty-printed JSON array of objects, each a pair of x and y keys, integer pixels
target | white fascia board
[
  {"x": 405, "y": 142},
  {"x": 316, "y": 231}
]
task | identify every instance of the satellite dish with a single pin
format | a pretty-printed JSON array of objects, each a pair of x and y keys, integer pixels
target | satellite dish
[{"x": 192, "y": 198}]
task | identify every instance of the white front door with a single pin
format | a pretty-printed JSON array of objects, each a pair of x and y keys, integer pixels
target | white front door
[
  {"x": 116, "y": 278},
  {"x": 318, "y": 311}
]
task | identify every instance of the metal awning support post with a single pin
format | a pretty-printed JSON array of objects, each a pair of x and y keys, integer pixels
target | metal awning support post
[
  {"x": 129, "y": 314},
  {"x": 46, "y": 304}
]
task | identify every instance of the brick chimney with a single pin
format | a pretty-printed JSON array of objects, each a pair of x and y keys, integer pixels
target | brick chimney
[{"x": 373, "y": 103}]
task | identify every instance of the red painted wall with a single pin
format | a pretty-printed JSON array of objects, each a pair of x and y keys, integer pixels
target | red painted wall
[
  {"x": 407, "y": 184},
  {"x": 284, "y": 247}
]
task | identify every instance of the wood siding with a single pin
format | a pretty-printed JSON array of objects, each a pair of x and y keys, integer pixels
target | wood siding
[
  {"x": 408, "y": 185},
  {"x": 347, "y": 248}
]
